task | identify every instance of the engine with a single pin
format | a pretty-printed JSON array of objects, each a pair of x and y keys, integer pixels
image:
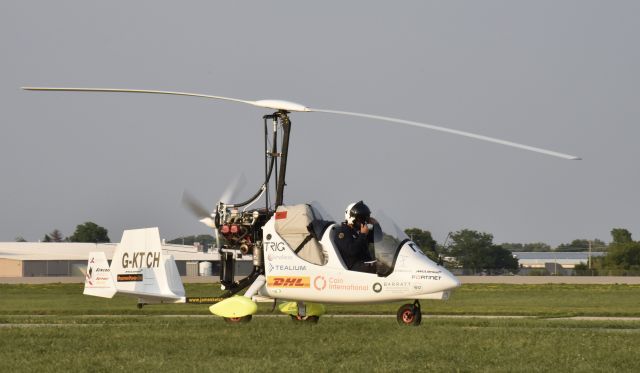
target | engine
[{"x": 242, "y": 231}]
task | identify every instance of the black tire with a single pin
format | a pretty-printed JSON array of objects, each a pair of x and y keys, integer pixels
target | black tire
[
  {"x": 308, "y": 319},
  {"x": 237, "y": 320},
  {"x": 409, "y": 315},
  {"x": 313, "y": 319}
]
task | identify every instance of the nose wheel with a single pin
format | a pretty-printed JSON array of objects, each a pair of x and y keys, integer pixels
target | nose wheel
[
  {"x": 409, "y": 314},
  {"x": 306, "y": 319},
  {"x": 237, "y": 320}
]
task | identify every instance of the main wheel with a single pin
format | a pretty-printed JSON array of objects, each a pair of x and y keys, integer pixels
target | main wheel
[
  {"x": 308, "y": 319},
  {"x": 237, "y": 320},
  {"x": 409, "y": 314}
]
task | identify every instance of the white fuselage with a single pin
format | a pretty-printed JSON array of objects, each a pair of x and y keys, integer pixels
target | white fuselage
[{"x": 292, "y": 278}]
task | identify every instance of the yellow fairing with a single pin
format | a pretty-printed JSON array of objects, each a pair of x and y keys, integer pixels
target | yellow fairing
[
  {"x": 236, "y": 306},
  {"x": 313, "y": 309}
]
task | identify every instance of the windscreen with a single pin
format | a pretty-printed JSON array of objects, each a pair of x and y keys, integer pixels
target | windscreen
[
  {"x": 387, "y": 240},
  {"x": 321, "y": 220},
  {"x": 320, "y": 212}
]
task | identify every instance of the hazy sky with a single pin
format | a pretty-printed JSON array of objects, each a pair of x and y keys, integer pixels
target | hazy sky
[{"x": 562, "y": 75}]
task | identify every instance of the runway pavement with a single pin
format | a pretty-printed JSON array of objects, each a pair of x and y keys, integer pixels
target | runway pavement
[{"x": 550, "y": 280}]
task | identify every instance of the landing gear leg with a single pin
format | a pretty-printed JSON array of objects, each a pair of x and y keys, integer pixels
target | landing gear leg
[
  {"x": 302, "y": 315},
  {"x": 410, "y": 314},
  {"x": 141, "y": 303}
]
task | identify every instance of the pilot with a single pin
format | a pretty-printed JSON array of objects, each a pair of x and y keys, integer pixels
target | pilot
[{"x": 354, "y": 236}]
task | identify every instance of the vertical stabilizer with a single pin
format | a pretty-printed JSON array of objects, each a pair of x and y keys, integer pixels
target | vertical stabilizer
[
  {"x": 98, "y": 279},
  {"x": 140, "y": 268}
]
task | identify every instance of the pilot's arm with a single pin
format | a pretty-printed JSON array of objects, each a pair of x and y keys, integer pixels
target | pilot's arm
[
  {"x": 361, "y": 244},
  {"x": 374, "y": 234},
  {"x": 352, "y": 248}
]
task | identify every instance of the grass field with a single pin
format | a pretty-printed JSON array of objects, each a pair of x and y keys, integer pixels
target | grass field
[
  {"x": 47, "y": 328},
  {"x": 549, "y": 300},
  {"x": 156, "y": 343}
]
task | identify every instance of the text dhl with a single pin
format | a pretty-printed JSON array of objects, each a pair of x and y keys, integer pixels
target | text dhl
[
  {"x": 140, "y": 259},
  {"x": 287, "y": 282}
]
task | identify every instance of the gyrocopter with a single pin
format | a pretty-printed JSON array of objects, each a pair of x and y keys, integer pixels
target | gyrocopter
[{"x": 294, "y": 247}]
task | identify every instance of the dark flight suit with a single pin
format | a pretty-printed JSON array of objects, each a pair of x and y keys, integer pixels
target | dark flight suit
[{"x": 354, "y": 248}]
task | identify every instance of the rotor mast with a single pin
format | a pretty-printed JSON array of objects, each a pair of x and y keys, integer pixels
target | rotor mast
[
  {"x": 280, "y": 119},
  {"x": 281, "y": 182}
]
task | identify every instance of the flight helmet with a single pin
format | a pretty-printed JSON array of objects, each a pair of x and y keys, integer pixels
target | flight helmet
[{"x": 357, "y": 211}]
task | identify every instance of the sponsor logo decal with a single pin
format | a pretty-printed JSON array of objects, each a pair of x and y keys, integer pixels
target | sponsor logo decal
[
  {"x": 204, "y": 300},
  {"x": 426, "y": 277},
  {"x": 129, "y": 278},
  {"x": 288, "y": 281},
  {"x": 427, "y": 271},
  {"x": 377, "y": 287},
  {"x": 334, "y": 283},
  {"x": 319, "y": 283},
  {"x": 281, "y": 215},
  {"x": 141, "y": 259},
  {"x": 396, "y": 286},
  {"x": 272, "y": 257},
  {"x": 285, "y": 267},
  {"x": 101, "y": 278},
  {"x": 89, "y": 274},
  {"x": 274, "y": 246}
]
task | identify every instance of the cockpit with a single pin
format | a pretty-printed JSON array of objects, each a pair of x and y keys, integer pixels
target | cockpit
[{"x": 303, "y": 226}]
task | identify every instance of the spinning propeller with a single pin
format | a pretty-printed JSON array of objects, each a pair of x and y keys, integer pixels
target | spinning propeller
[
  {"x": 202, "y": 213},
  {"x": 288, "y": 106}
]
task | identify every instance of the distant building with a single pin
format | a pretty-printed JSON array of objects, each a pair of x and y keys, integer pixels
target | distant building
[
  {"x": 555, "y": 262},
  {"x": 37, "y": 259}
]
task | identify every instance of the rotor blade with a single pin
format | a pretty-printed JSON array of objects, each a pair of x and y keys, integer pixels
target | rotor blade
[
  {"x": 193, "y": 205},
  {"x": 269, "y": 104},
  {"x": 135, "y": 91},
  {"x": 292, "y": 106},
  {"x": 448, "y": 130}
]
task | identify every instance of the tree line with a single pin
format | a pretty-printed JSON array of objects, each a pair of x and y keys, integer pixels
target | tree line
[
  {"x": 466, "y": 248},
  {"x": 475, "y": 251},
  {"x": 623, "y": 256},
  {"x": 86, "y": 232}
]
